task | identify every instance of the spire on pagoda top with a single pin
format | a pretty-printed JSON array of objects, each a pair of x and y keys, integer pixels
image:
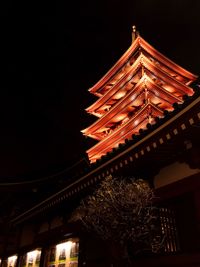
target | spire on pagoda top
[{"x": 135, "y": 33}]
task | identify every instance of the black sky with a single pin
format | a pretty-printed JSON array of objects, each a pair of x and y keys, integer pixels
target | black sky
[{"x": 53, "y": 51}]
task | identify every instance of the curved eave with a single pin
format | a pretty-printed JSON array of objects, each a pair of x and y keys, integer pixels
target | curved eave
[
  {"x": 152, "y": 51},
  {"x": 116, "y": 67},
  {"x": 122, "y": 105},
  {"x": 158, "y": 72},
  {"x": 169, "y": 95},
  {"x": 178, "y": 119},
  {"x": 166, "y": 61},
  {"x": 119, "y": 106},
  {"x": 184, "y": 89},
  {"x": 111, "y": 92},
  {"x": 180, "y": 87},
  {"x": 117, "y": 135}
]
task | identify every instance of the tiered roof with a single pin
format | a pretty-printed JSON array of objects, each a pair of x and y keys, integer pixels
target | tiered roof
[{"x": 138, "y": 88}]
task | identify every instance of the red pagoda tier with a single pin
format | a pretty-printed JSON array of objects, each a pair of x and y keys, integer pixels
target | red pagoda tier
[{"x": 138, "y": 88}]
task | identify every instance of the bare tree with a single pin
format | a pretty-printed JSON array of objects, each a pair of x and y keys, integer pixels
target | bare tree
[{"x": 121, "y": 211}]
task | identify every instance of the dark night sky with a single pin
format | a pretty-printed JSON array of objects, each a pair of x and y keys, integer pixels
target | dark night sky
[{"x": 52, "y": 52}]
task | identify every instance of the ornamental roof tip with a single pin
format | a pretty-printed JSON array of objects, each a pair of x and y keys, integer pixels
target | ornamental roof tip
[{"x": 135, "y": 33}]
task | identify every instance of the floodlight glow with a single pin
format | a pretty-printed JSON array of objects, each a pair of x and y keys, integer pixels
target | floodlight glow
[
  {"x": 64, "y": 246},
  {"x": 12, "y": 260},
  {"x": 32, "y": 255}
]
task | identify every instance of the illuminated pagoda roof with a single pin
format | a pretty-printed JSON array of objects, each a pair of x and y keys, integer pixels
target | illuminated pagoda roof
[{"x": 137, "y": 89}]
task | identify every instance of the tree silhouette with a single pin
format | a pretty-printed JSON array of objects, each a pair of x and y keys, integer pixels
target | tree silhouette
[{"x": 121, "y": 211}]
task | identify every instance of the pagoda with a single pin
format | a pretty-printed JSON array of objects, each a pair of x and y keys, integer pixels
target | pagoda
[{"x": 137, "y": 89}]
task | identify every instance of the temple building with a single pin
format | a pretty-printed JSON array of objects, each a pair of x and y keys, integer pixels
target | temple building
[
  {"x": 147, "y": 126},
  {"x": 137, "y": 89}
]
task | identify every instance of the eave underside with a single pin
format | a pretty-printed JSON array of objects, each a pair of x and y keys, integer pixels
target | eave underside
[
  {"x": 117, "y": 70},
  {"x": 137, "y": 122},
  {"x": 135, "y": 99}
]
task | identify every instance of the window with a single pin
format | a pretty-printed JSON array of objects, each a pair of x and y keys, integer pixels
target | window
[{"x": 169, "y": 230}]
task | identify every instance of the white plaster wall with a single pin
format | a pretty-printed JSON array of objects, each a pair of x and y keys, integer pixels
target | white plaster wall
[
  {"x": 173, "y": 173},
  {"x": 57, "y": 221},
  {"x": 43, "y": 227},
  {"x": 27, "y": 235}
]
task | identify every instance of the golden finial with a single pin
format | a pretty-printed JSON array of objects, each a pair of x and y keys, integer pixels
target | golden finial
[{"x": 135, "y": 33}]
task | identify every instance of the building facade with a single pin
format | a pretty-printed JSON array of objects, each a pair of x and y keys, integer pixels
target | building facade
[{"x": 148, "y": 123}]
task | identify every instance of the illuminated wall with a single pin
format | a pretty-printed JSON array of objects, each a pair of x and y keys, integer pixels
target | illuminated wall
[
  {"x": 31, "y": 259},
  {"x": 12, "y": 261},
  {"x": 63, "y": 255}
]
